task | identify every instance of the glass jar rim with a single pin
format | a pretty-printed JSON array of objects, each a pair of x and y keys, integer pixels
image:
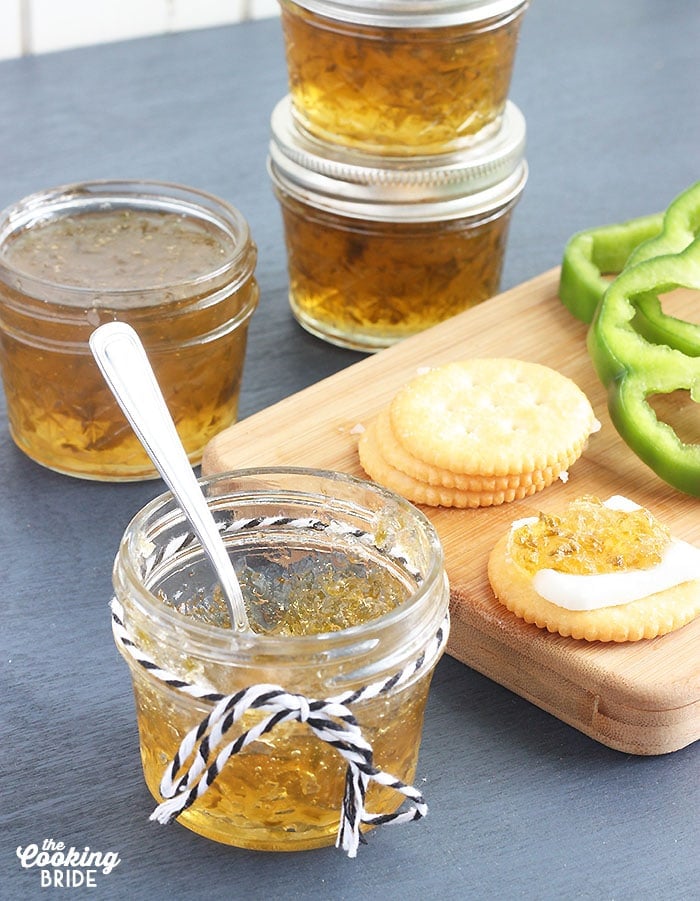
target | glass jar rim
[
  {"x": 159, "y": 196},
  {"x": 126, "y": 575},
  {"x": 411, "y": 13},
  {"x": 488, "y": 174}
]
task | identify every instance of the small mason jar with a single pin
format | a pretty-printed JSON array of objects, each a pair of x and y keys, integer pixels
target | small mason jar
[
  {"x": 380, "y": 248},
  {"x": 400, "y": 77},
  {"x": 345, "y": 588},
  {"x": 175, "y": 263}
]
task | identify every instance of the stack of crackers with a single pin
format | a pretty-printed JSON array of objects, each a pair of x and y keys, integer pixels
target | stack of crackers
[{"x": 477, "y": 433}]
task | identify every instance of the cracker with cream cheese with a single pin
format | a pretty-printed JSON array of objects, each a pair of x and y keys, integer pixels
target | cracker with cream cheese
[{"x": 665, "y": 608}]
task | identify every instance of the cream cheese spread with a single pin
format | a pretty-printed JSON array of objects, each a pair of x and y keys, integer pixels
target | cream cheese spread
[{"x": 680, "y": 563}]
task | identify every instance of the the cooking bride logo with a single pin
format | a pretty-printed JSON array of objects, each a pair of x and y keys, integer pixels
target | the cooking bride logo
[{"x": 59, "y": 866}]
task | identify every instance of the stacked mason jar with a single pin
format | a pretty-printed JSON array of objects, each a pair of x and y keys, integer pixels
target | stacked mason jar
[{"x": 397, "y": 159}]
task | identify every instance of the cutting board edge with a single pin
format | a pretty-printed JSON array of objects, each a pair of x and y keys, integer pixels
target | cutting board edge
[
  {"x": 615, "y": 733},
  {"x": 598, "y": 714}
]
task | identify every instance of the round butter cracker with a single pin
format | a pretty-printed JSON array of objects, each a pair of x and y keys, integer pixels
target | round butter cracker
[
  {"x": 381, "y": 471},
  {"x": 492, "y": 417},
  {"x": 398, "y": 457}
]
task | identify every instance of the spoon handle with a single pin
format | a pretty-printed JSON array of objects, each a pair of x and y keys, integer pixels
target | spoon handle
[{"x": 122, "y": 359}]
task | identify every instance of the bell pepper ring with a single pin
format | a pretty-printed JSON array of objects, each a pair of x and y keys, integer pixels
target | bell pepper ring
[
  {"x": 593, "y": 254},
  {"x": 634, "y": 368},
  {"x": 681, "y": 226},
  {"x": 591, "y": 257}
]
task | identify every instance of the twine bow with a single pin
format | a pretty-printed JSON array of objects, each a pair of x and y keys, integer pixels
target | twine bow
[{"x": 207, "y": 749}]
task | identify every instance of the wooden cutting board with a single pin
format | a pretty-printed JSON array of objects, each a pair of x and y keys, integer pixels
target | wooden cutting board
[{"x": 642, "y": 697}]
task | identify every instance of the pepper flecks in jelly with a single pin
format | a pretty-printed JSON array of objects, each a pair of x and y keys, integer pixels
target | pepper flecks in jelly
[
  {"x": 122, "y": 249},
  {"x": 178, "y": 278},
  {"x": 394, "y": 89}
]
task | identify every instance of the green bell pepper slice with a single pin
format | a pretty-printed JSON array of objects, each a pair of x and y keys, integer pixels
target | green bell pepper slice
[
  {"x": 593, "y": 254},
  {"x": 681, "y": 227},
  {"x": 634, "y": 368}
]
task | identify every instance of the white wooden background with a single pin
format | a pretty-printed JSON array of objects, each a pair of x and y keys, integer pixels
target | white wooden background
[{"x": 41, "y": 26}]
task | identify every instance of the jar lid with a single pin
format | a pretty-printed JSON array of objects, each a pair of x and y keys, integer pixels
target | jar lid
[
  {"x": 485, "y": 176},
  {"x": 411, "y": 13}
]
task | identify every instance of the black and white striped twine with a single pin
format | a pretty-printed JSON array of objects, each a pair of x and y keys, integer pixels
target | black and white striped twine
[
  {"x": 204, "y": 751},
  {"x": 230, "y": 526}
]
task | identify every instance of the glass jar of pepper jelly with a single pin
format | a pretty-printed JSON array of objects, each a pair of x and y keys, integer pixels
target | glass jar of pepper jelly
[
  {"x": 175, "y": 263},
  {"x": 400, "y": 77},
  {"x": 380, "y": 248},
  {"x": 347, "y": 599}
]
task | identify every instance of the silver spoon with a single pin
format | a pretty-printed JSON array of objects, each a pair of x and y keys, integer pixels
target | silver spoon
[{"x": 122, "y": 359}]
